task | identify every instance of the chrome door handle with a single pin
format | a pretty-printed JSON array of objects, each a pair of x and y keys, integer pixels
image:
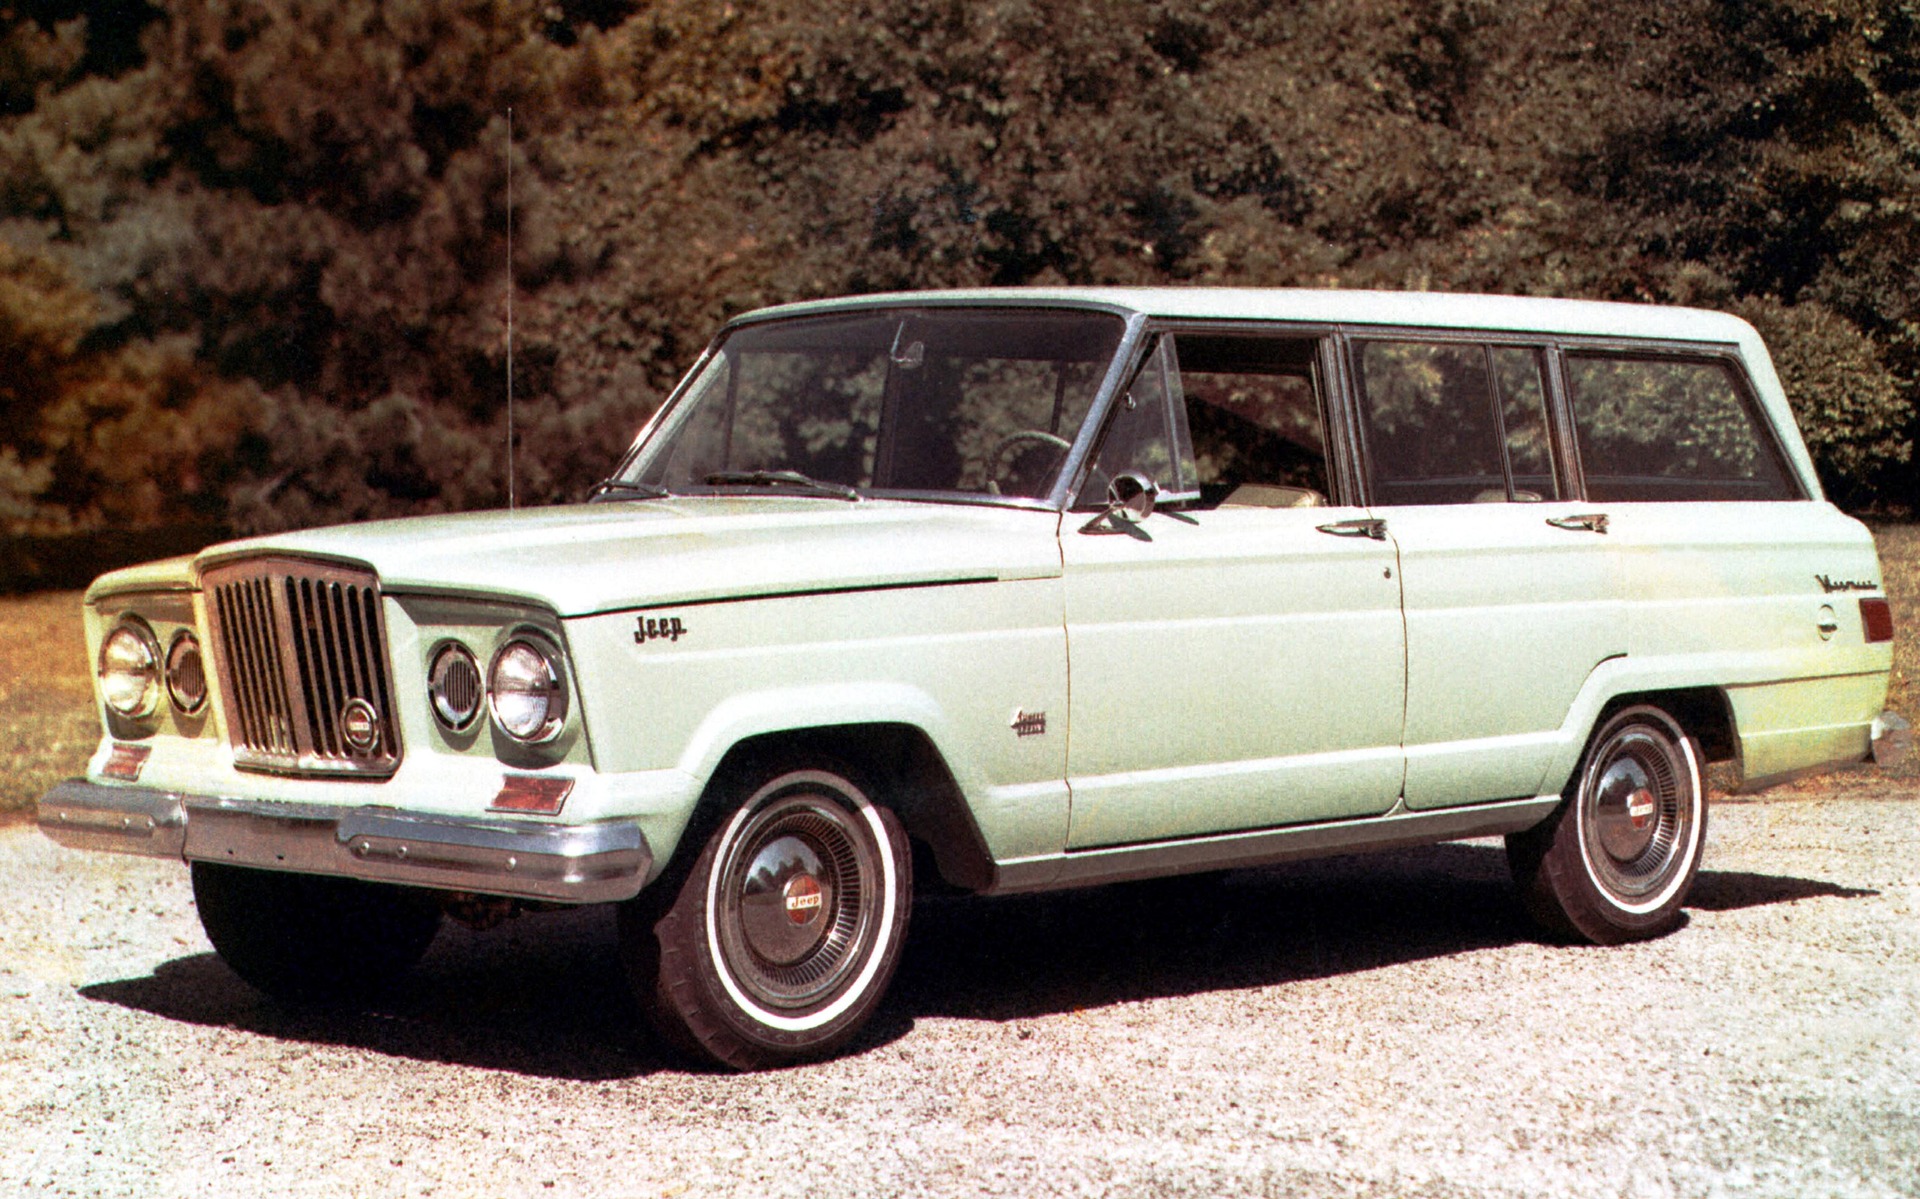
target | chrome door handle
[
  {"x": 1365, "y": 527},
  {"x": 1592, "y": 522}
]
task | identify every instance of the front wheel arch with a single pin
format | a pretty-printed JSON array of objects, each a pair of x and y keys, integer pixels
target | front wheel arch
[{"x": 904, "y": 766}]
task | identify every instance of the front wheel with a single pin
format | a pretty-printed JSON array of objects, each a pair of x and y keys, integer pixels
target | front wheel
[
  {"x": 1615, "y": 861},
  {"x": 780, "y": 939}
]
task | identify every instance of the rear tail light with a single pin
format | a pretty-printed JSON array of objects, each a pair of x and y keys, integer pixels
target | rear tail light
[{"x": 1876, "y": 617}]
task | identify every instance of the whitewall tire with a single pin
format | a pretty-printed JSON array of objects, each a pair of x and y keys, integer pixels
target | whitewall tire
[{"x": 778, "y": 941}]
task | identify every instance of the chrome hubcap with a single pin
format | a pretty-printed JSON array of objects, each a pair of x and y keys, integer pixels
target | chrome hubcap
[
  {"x": 1624, "y": 809},
  {"x": 1637, "y": 812},
  {"x": 782, "y": 898},
  {"x": 796, "y": 895}
]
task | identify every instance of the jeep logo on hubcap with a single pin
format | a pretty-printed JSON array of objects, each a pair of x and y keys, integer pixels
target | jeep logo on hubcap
[
  {"x": 360, "y": 726},
  {"x": 802, "y": 895},
  {"x": 1640, "y": 807}
]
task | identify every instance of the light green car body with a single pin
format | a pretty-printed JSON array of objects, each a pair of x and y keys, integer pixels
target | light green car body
[{"x": 1055, "y": 708}]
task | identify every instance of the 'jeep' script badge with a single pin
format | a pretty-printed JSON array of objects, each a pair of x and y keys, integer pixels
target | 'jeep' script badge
[{"x": 649, "y": 628}]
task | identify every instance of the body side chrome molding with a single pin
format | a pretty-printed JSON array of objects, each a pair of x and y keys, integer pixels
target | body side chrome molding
[
  {"x": 1266, "y": 847},
  {"x": 854, "y": 589}
]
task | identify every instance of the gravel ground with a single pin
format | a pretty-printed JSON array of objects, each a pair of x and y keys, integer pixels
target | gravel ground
[{"x": 1382, "y": 1026}]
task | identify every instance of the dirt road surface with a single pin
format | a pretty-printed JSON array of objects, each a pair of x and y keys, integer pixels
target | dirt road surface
[{"x": 1377, "y": 1026}]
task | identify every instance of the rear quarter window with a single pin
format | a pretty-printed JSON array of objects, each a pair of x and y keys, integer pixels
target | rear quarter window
[{"x": 1667, "y": 429}]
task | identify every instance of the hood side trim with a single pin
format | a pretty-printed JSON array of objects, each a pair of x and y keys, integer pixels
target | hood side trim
[{"x": 853, "y": 589}]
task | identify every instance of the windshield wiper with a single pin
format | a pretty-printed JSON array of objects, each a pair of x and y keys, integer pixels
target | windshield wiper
[
  {"x": 627, "y": 489},
  {"x": 781, "y": 478}
]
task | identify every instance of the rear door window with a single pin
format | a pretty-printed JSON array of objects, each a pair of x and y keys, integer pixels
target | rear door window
[
  {"x": 1454, "y": 422},
  {"x": 1520, "y": 379},
  {"x": 1661, "y": 429}
]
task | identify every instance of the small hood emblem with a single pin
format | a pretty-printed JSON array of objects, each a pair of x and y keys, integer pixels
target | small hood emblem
[{"x": 360, "y": 726}]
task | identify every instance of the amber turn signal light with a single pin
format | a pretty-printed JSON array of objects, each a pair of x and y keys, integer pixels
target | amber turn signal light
[
  {"x": 540, "y": 793},
  {"x": 125, "y": 761}
]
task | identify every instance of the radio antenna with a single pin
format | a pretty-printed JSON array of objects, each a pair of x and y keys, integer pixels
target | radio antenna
[{"x": 510, "y": 488}]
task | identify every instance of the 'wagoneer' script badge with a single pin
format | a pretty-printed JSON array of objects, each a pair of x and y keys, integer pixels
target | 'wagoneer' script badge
[
  {"x": 1833, "y": 585},
  {"x": 1029, "y": 724},
  {"x": 648, "y": 628}
]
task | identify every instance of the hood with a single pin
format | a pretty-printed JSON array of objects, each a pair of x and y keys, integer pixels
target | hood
[{"x": 588, "y": 558}]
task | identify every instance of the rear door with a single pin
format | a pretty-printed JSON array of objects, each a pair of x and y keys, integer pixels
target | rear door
[{"x": 1510, "y": 592}]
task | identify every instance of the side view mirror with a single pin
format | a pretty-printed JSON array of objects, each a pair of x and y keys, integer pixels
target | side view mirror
[
  {"x": 1130, "y": 500},
  {"x": 1133, "y": 494}
]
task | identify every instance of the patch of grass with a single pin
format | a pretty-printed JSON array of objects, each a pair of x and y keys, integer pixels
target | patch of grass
[{"x": 48, "y": 728}]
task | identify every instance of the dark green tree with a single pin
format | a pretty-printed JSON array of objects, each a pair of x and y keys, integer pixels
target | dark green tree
[{"x": 309, "y": 201}]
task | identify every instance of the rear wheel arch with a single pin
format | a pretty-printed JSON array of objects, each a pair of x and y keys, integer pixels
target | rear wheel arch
[{"x": 1703, "y": 712}]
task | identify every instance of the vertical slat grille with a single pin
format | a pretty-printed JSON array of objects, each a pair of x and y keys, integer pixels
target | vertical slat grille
[
  {"x": 249, "y": 642},
  {"x": 301, "y": 653}
]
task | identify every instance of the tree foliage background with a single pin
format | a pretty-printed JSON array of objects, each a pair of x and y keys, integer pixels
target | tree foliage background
[{"x": 253, "y": 253}]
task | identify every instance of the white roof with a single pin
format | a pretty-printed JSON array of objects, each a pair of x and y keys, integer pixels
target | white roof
[{"x": 1417, "y": 308}]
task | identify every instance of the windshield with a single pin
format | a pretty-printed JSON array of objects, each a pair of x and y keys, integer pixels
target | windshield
[{"x": 940, "y": 402}]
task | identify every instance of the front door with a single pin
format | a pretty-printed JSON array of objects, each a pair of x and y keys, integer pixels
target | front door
[{"x": 1237, "y": 660}]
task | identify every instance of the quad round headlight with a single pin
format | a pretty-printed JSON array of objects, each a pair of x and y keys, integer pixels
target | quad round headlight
[
  {"x": 186, "y": 673},
  {"x": 527, "y": 690},
  {"x": 453, "y": 683},
  {"x": 129, "y": 669}
]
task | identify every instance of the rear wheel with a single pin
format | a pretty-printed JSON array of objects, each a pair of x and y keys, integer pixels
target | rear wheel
[
  {"x": 1615, "y": 861},
  {"x": 778, "y": 942},
  {"x": 308, "y": 938}
]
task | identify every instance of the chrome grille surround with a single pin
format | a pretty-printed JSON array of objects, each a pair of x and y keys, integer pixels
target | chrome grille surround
[{"x": 296, "y": 642}]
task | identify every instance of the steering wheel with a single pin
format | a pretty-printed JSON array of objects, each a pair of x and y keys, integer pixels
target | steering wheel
[{"x": 1022, "y": 437}]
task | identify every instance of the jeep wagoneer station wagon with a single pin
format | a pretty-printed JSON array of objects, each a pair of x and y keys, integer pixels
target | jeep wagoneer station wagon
[{"x": 1055, "y": 587}]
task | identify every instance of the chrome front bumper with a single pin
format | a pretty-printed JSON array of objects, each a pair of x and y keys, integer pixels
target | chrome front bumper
[{"x": 584, "y": 863}]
